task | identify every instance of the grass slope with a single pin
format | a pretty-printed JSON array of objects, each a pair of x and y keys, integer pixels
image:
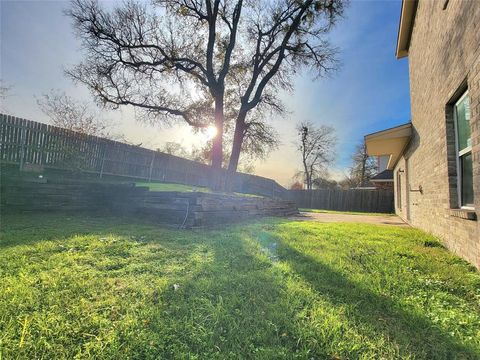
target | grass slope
[
  {"x": 171, "y": 187},
  {"x": 104, "y": 288},
  {"x": 184, "y": 188}
]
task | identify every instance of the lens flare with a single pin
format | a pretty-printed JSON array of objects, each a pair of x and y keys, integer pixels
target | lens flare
[{"x": 211, "y": 132}]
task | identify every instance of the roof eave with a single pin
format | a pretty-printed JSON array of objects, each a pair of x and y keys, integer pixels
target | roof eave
[
  {"x": 391, "y": 142},
  {"x": 390, "y": 131},
  {"x": 407, "y": 19}
]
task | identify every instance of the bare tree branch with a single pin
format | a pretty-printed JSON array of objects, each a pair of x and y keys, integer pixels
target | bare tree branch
[
  {"x": 363, "y": 166},
  {"x": 65, "y": 112},
  {"x": 204, "y": 62},
  {"x": 316, "y": 146}
]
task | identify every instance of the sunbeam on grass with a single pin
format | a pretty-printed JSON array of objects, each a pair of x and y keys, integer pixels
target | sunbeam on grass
[{"x": 106, "y": 288}]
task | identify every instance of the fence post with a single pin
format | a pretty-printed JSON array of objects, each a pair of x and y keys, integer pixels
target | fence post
[
  {"x": 22, "y": 147},
  {"x": 151, "y": 168},
  {"x": 103, "y": 159}
]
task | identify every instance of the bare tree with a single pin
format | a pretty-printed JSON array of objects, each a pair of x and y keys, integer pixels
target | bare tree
[
  {"x": 4, "y": 91},
  {"x": 174, "y": 148},
  {"x": 200, "y": 154},
  {"x": 316, "y": 146},
  {"x": 297, "y": 185},
  {"x": 347, "y": 182},
  {"x": 363, "y": 166},
  {"x": 67, "y": 113},
  {"x": 203, "y": 155},
  {"x": 324, "y": 182},
  {"x": 203, "y": 61}
]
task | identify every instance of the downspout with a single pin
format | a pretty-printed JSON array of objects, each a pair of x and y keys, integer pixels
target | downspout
[
  {"x": 407, "y": 176},
  {"x": 407, "y": 186}
]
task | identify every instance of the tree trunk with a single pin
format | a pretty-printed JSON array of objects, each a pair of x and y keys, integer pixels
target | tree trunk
[
  {"x": 305, "y": 167},
  {"x": 237, "y": 144},
  {"x": 310, "y": 178},
  {"x": 236, "y": 150},
  {"x": 363, "y": 182},
  {"x": 217, "y": 147}
]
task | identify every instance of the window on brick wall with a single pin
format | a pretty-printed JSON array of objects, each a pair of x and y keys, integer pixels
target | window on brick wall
[{"x": 463, "y": 146}]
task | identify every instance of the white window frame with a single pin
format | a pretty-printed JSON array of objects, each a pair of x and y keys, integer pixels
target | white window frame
[{"x": 459, "y": 154}]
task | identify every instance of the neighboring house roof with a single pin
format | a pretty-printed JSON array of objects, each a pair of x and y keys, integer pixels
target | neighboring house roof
[
  {"x": 384, "y": 176},
  {"x": 390, "y": 142},
  {"x": 407, "y": 19}
]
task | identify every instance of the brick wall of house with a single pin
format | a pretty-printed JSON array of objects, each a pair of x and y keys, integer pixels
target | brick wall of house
[{"x": 444, "y": 60}]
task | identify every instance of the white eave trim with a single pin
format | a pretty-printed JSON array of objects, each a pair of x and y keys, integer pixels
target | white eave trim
[
  {"x": 405, "y": 27},
  {"x": 395, "y": 132},
  {"x": 391, "y": 142}
]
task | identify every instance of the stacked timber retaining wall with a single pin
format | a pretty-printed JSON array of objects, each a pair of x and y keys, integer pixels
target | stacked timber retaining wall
[{"x": 185, "y": 209}]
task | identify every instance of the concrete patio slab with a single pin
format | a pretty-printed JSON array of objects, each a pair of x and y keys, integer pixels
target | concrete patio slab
[{"x": 367, "y": 219}]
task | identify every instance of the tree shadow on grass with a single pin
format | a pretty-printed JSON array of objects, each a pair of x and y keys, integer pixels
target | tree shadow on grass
[
  {"x": 229, "y": 309},
  {"x": 236, "y": 307},
  {"x": 414, "y": 334},
  {"x": 232, "y": 302}
]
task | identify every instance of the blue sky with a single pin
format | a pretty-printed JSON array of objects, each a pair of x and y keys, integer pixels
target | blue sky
[{"x": 369, "y": 93}]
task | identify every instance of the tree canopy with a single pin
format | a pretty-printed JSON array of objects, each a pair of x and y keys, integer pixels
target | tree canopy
[{"x": 205, "y": 62}]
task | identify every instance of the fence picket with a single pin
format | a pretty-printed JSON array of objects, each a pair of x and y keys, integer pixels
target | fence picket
[{"x": 343, "y": 200}]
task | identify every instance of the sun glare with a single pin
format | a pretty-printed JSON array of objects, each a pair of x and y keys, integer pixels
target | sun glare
[{"x": 211, "y": 132}]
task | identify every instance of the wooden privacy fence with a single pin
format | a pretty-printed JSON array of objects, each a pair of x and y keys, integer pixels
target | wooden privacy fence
[
  {"x": 26, "y": 142},
  {"x": 380, "y": 201}
]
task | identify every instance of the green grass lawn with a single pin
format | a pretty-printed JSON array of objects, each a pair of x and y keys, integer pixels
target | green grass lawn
[
  {"x": 171, "y": 187},
  {"x": 344, "y": 212},
  {"x": 152, "y": 186},
  {"x": 108, "y": 288}
]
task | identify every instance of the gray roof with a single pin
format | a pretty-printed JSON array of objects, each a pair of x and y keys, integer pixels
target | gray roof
[{"x": 385, "y": 175}]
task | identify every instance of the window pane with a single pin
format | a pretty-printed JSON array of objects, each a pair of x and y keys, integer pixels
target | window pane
[
  {"x": 462, "y": 112},
  {"x": 467, "y": 179}
]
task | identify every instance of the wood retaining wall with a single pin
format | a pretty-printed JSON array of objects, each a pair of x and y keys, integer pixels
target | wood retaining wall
[{"x": 182, "y": 209}]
